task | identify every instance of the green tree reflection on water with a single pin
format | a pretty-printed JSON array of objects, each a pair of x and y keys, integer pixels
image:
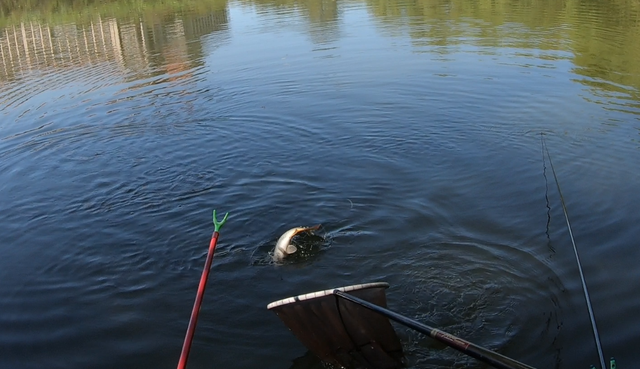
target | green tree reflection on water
[
  {"x": 601, "y": 38},
  {"x": 137, "y": 40}
]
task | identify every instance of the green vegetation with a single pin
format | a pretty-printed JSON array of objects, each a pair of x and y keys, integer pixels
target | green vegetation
[
  {"x": 13, "y": 12},
  {"x": 601, "y": 37}
]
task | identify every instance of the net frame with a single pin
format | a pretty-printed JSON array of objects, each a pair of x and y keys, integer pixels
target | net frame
[{"x": 341, "y": 332}]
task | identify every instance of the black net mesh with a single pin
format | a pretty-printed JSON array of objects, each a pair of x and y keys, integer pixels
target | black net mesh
[{"x": 341, "y": 332}]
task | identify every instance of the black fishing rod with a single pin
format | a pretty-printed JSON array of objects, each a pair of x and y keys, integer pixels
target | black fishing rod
[
  {"x": 490, "y": 357},
  {"x": 575, "y": 251}
]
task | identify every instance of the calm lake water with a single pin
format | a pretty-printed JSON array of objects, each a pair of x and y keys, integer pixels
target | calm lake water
[{"x": 410, "y": 129}]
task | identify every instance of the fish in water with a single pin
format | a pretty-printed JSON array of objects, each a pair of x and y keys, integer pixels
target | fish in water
[{"x": 284, "y": 247}]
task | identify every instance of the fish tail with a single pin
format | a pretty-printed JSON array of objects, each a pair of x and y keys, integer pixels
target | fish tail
[{"x": 307, "y": 229}]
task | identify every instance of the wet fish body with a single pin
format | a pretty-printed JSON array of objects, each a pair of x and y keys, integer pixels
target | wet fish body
[{"x": 284, "y": 247}]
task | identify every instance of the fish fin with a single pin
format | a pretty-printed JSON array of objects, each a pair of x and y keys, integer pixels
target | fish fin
[{"x": 291, "y": 249}]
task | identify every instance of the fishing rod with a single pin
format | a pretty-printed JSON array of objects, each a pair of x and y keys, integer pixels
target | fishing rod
[
  {"x": 188, "y": 339},
  {"x": 575, "y": 251},
  {"x": 490, "y": 357}
]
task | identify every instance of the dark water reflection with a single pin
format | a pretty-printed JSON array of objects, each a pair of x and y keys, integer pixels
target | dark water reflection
[{"x": 410, "y": 130}]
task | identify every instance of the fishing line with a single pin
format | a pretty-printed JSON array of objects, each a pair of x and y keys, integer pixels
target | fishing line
[
  {"x": 546, "y": 197},
  {"x": 575, "y": 250}
]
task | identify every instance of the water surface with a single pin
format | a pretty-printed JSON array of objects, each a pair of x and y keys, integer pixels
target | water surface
[{"x": 410, "y": 130}]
